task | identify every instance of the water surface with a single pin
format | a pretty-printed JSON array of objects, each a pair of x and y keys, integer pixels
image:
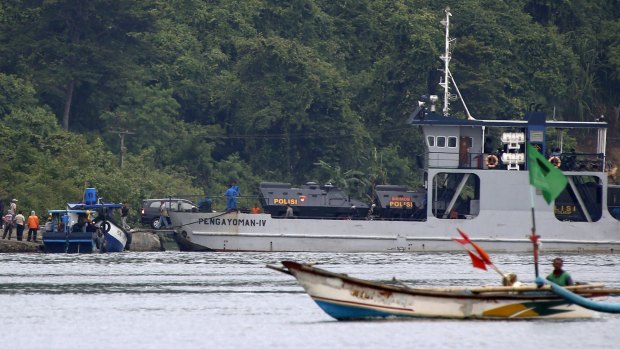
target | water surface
[{"x": 230, "y": 300}]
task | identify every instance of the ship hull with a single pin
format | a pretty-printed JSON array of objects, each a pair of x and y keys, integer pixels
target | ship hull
[{"x": 247, "y": 232}]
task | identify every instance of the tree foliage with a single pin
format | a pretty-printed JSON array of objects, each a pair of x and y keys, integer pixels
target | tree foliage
[{"x": 219, "y": 91}]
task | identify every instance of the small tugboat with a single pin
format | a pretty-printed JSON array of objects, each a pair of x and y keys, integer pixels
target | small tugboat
[{"x": 84, "y": 227}]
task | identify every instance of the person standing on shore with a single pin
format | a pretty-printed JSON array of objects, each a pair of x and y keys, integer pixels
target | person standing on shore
[
  {"x": 8, "y": 224},
  {"x": 124, "y": 215},
  {"x": 13, "y": 208},
  {"x": 33, "y": 227},
  {"x": 20, "y": 223},
  {"x": 163, "y": 215},
  {"x": 1, "y": 210}
]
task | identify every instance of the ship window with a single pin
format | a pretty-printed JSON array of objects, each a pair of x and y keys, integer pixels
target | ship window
[
  {"x": 431, "y": 141},
  {"x": 441, "y": 141},
  {"x": 613, "y": 201},
  {"x": 455, "y": 196},
  {"x": 587, "y": 190},
  {"x": 285, "y": 193},
  {"x": 451, "y": 142}
]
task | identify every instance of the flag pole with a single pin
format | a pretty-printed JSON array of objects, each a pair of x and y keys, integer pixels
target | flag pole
[
  {"x": 534, "y": 237},
  {"x": 550, "y": 180}
]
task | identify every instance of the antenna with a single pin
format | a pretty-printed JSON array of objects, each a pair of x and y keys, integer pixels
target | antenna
[
  {"x": 447, "y": 75},
  {"x": 446, "y": 59}
]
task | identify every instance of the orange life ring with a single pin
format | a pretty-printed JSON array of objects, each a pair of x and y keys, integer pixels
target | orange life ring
[
  {"x": 492, "y": 161},
  {"x": 555, "y": 161}
]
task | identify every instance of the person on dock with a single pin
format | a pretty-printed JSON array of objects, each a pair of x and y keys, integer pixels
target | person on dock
[
  {"x": 1, "y": 210},
  {"x": 559, "y": 276},
  {"x": 8, "y": 224},
  {"x": 164, "y": 217},
  {"x": 33, "y": 227},
  {"x": 20, "y": 223},
  {"x": 124, "y": 215},
  {"x": 13, "y": 207}
]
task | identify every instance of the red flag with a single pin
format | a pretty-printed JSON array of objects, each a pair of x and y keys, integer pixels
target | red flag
[
  {"x": 482, "y": 253},
  {"x": 461, "y": 241},
  {"x": 481, "y": 258},
  {"x": 476, "y": 261}
]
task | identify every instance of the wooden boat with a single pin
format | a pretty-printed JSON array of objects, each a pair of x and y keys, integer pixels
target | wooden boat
[{"x": 348, "y": 298}]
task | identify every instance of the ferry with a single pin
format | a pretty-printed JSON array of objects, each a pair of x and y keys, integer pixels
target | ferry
[{"x": 475, "y": 179}]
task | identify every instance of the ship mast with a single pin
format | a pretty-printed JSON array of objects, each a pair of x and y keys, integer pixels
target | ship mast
[{"x": 447, "y": 75}]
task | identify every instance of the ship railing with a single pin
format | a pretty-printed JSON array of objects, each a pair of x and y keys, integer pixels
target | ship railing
[
  {"x": 455, "y": 160},
  {"x": 569, "y": 161},
  {"x": 218, "y": 203}
]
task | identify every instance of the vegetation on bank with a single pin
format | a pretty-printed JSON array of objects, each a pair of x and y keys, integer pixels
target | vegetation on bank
[{"x": 209, "y": 92}]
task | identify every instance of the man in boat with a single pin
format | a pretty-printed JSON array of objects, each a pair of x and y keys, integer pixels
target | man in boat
[{"x": 559, "y": 276}]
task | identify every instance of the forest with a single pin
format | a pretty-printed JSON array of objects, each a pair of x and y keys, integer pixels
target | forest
[{"x": 157, "y": 98}]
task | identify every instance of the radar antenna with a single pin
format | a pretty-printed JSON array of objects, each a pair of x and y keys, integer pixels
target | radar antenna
[{"x": 445, "y": 81}]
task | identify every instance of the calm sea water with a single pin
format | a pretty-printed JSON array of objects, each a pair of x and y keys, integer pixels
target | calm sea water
[{"x": 230, "y": 300}]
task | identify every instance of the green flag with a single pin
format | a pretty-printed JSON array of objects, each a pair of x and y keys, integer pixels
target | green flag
[{"x": 543, "y": 175}]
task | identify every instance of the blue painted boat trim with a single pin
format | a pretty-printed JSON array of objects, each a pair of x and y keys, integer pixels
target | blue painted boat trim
[
  {"x": 350, "y": 312},
  {"x": 67, "y": 240},
  {"x": 112, "y": 244},
  {"x": 581, "y": 301}
]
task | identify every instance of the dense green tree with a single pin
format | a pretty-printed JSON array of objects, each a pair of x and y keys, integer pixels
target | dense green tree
[
  {"x": 212, "y": 92},
  {"x": 76, "y": 51}
]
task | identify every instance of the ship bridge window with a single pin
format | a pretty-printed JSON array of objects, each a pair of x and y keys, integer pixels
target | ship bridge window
[
  {"x": 581, "y": 200},
  {"x": 431, "y": 141},
  {"x": 455, "y": 196},
  {"x": 451, "y": 142},
  {"x": 441, "y": 141}
]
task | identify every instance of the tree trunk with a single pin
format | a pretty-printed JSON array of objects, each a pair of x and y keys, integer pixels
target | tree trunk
[{"x": 68, "y": 99}]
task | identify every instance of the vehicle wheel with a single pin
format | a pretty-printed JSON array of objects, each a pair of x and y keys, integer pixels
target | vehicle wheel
[{"x": 155, "y": 223}]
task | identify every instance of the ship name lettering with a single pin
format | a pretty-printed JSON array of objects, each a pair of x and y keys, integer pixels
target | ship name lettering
[
  {"x": 360, "y": 294},
  {"x": 233, "y": 221}
]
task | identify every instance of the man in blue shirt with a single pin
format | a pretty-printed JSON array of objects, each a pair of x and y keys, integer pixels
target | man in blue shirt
[{"x": 231, "y": 197}]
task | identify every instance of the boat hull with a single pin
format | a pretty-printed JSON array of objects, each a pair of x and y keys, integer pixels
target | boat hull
[
  {"x": 495, "y": 231},
  {"x": 345, "y": 298},
  {"x": 115, "y": 239},
  {"x": 75, "y": 242}
]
